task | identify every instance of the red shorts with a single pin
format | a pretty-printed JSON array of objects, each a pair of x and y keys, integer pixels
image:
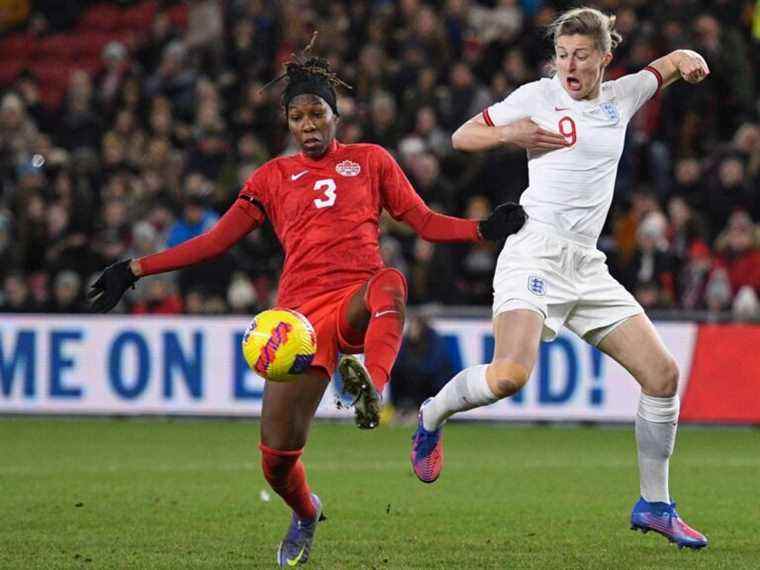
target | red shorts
[{"x": 324, "y": 313}]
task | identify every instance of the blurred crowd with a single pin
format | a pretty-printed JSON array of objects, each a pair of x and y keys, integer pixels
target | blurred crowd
[{"x": 148, "y": 145}]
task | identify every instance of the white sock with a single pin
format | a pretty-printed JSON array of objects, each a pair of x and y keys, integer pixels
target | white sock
[
  {"x": 656, "y": 425},
  {"x": 465, "y": 391}
]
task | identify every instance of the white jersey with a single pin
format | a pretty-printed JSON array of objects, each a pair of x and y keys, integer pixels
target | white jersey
[{"x": 571, "y": 188}]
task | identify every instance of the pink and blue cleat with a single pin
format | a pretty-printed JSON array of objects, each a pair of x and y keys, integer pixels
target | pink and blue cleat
[
  {"x": 663, "y": 519},
  {"x": 296, "y": 546},
  {"x": 427, "y": 451}
]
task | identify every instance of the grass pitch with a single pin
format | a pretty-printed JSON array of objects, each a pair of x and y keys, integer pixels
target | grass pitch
[{"x": 188, "y": 494}]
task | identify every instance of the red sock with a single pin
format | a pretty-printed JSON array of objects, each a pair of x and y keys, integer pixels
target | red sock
[
  {"x": 386, "y": 301},
  {"x": 287, "y": 476}
]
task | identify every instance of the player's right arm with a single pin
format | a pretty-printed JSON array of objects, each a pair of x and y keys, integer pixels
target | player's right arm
[
  {"x": 476, "y": 135},
  {"x": 244, "y": 215},
  {"x": 507, "y": 122},
  {"x": 236, "y": 223}
]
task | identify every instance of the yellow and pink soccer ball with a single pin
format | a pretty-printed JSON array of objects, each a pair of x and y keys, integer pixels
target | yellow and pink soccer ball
[{"x": 279, "y": 344}]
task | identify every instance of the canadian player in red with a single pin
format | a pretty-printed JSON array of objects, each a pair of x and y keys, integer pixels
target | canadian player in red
[{"x": 324, "y": 204}]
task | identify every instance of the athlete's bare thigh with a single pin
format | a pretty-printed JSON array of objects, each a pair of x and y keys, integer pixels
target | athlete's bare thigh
[
  {"x": 288, "y": 409},
  {"x": 517, "y": 334},
  {"x": 636, "y": 345},
  {"x": 356, "y": 314}
]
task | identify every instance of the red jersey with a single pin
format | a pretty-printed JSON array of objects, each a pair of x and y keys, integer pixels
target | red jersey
[{"x": 326, "y": 214}]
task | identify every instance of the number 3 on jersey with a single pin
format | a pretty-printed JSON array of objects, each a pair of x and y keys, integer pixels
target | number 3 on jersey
[
  {"x": 567, "y": 130},
  {"x": 328, "y": 186}
]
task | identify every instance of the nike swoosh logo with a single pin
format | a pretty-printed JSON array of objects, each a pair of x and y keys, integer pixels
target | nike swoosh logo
[
  {"x": 381, "y": 313},
  {"x": 295, "y": 177},
  {"x": 561, "y": 109},
  {"x": 297, "y": 559}
]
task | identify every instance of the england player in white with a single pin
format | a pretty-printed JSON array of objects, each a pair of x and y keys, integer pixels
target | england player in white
[{"x": 550, "y": 273}]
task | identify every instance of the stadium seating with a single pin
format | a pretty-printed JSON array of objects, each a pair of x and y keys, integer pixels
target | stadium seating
[{"x": 53, "y": 58}]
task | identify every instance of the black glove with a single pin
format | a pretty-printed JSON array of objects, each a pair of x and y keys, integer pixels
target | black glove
[
  {"x": 505, "y": 220},
  {"x": 110, "y": 286}
]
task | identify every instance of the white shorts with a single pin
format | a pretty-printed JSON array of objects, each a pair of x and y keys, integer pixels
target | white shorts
[{"x": 563, "y": 279}]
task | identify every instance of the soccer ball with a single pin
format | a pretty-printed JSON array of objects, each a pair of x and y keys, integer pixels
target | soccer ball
[{"x": 279, "y": 344}]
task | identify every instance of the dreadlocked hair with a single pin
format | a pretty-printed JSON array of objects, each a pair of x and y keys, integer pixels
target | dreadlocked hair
[{"x": 302, "y": 71}]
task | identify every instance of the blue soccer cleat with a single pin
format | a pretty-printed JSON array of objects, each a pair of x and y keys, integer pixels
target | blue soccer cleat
[
  {"x": 427, "y": 451},
  {"x": 296, "y": 546},
  {"x": 663, "y": 518}
]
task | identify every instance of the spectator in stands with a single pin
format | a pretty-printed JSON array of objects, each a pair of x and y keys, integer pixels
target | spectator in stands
[
  {"x": 194, "y": 301},
  {"x": 209, "y": 152},
  {"x": 28, "y": 87},
  {"x": 424, "y": 93},
  {"x": 727, "y": 191},
  {"x": 686, "y": 227},
  {"x": 426, "y": 127},
  {"x": 746, "y": 305},
  {"x": 113, "y": 155},
  {"x": 161, "y": 298},
  {"x": 243, "y": 56},
  {"x": 733, "y": 83},
  {"x": 384, "y": 128},
  {"x": 215, "y": 304},
  {"x": 197, "y": 217},
  {"x": 116, "y": 68},
  {"x": 31, "y": 231},
  {"x": 8, "y": 253},
  {"x": 205, "y": 28},
  {"x": 694, "y": 276},
  {"x": 67, "y": 294},
  {"x": 241, "y": 295},
  {"x": 718, "y": 291},
  {"x": 174, "y": 79},
  {"x": 111, "y": 238},
  {"x": 434, "y": 187},
  {"x": 738, "y": 249},
  {"x": 67, "y": 243},
  {"x": 15, "y": 295},
  {"x": 652, "y": 265},
  {"x": 127, "y": 128},
  {"x": 643, "y": 202},
  {"x": 688, "y": 181},
  {"x": 80, "y": 124},
  {"x": 17, "y": 132},
  {"x": 145, "y": 240},
  {"x": 392, "y": 253},
  {"x": 467, "y": 97},
  {"x": 475, "y": 262},
  {"x": 258, "y": 113},
  {"x": 162, "y": 32}
]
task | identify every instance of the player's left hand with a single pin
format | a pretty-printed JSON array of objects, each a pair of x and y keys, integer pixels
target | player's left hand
[
  {"x": 505, "y": 220},
  {"x": 692, "y": 66}
]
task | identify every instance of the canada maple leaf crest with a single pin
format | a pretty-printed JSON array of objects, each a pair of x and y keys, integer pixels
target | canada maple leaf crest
[{"x": 347, "y": 168}]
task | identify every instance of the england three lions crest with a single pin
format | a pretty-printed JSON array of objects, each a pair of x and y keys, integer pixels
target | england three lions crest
[
  {"x": 611, "y": 111},
  {"x": 347, "y": 168},
  {"x": 536, "y": 285}
]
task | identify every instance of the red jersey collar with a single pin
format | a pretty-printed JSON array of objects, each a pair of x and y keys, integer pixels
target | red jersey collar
[{"x": 331, "y": 150}]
